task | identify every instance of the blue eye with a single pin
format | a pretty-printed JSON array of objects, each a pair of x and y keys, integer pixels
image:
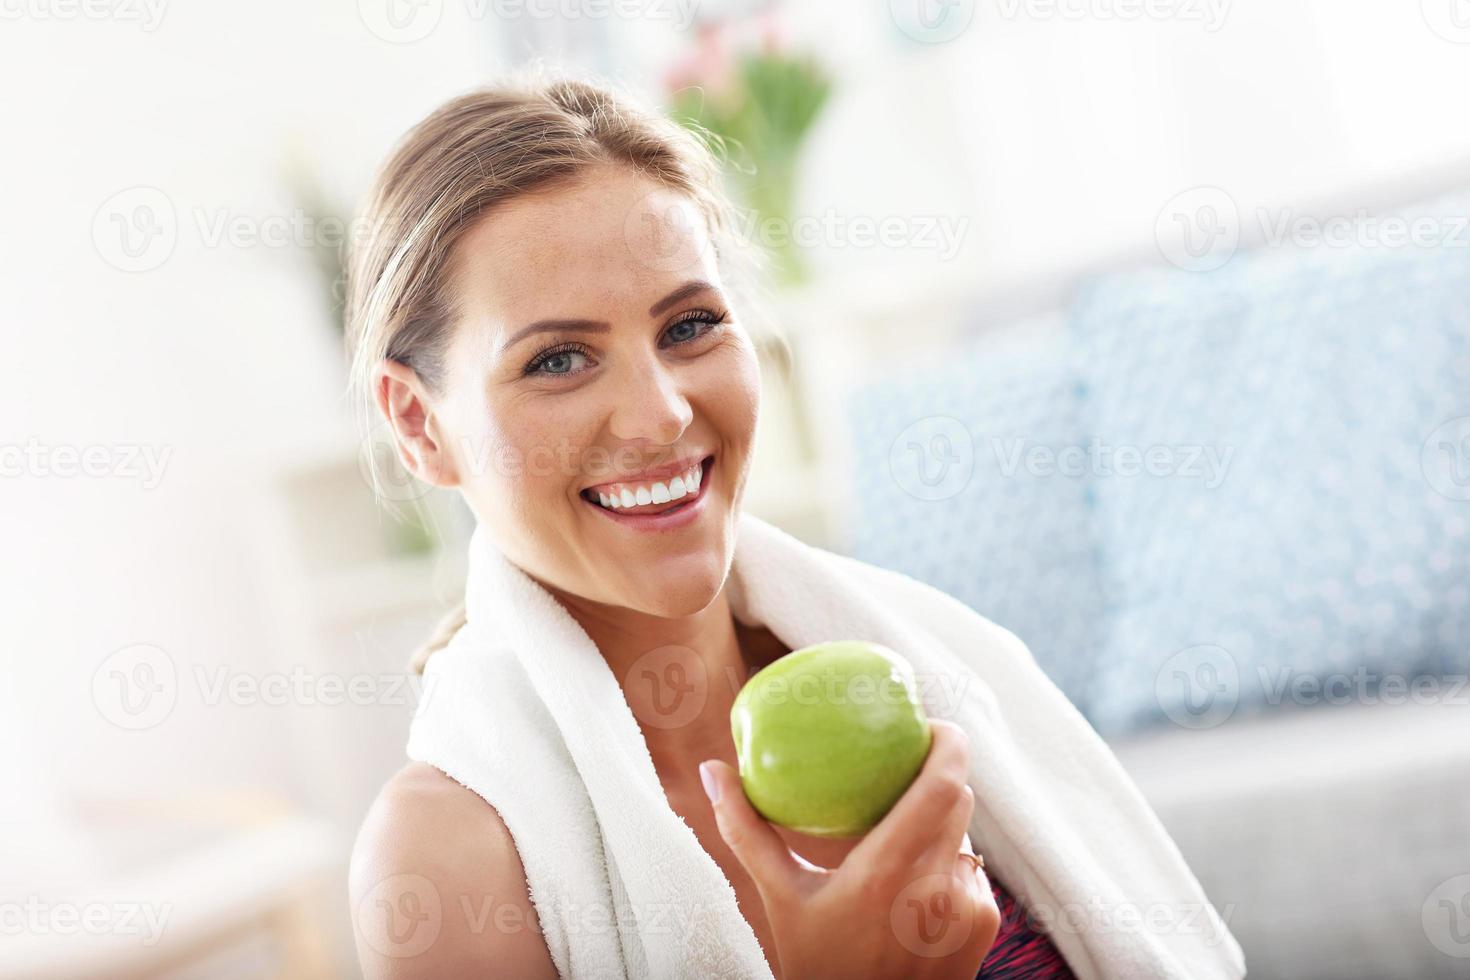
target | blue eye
[
  {"x": 688, "y": 329},
  {"x": 557, "y": 361}
]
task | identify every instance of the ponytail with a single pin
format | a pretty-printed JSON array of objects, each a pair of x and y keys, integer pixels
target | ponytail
[{"x": 443, "y": 632}]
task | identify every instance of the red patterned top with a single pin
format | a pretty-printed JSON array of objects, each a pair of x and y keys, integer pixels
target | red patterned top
[{"x": 1020, "y": 951}]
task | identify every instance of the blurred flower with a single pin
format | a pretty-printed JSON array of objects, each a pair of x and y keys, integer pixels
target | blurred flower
[{"x": 760, "y": 100}]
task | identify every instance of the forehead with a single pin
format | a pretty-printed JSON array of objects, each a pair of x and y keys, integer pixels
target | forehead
[{"x": 609, "y": 240}]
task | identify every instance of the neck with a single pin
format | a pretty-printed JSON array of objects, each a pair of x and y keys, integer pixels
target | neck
[{"x": 679, "y": 675}]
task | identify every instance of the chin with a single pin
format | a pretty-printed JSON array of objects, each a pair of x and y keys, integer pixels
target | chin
[{"x": 682, "y": 597}]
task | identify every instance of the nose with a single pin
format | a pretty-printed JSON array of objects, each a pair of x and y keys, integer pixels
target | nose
[{"x": 650, "y": 405}]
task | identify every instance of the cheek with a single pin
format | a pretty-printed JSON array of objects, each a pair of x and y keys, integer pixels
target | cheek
[
  {"x": 511, "y": 456},
  {"x": 734, "y": 393}
]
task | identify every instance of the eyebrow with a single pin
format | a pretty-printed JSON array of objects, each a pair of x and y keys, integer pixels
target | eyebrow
[{"x": 602, "y": 326}]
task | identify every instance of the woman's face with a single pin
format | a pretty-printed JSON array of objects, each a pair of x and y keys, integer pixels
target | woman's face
[{"x": 596, "y": 359}]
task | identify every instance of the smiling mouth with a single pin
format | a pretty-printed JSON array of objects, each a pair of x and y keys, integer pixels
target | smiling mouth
[{"x": 652, "y": 497}]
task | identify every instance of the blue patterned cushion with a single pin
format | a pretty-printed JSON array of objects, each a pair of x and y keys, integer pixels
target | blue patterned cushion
[
  {"x": 1307, "y": 517},
  {"x": 943, "y": 497},
  {"x": 1326, "y": 551}
]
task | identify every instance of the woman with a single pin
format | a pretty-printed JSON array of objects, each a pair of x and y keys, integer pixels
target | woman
[{"x": 542, "y": 313}]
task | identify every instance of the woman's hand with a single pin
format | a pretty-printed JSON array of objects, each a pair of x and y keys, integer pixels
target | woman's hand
[{"x": 902, "y": 904}]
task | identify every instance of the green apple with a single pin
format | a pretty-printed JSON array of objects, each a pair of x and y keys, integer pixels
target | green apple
[{"x": 828, "y": 737}]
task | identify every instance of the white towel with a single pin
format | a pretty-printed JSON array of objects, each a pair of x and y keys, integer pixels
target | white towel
[{"x": 522, "y": 709}]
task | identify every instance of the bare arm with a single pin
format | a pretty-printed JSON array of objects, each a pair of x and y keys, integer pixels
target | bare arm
[{"x": 437, "y": 888}]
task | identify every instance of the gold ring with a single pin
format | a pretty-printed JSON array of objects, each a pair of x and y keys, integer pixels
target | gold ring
[{"x": 975, "y": 860}]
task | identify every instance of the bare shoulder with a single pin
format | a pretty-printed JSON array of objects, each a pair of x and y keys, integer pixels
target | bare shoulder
[{"x": 437, "y": 887}]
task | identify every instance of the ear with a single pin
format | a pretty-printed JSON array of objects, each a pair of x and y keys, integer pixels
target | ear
[{"x": 418, "y": 433}]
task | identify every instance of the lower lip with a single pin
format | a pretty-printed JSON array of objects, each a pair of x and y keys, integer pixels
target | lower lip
[{"x": 670, "y": 520}]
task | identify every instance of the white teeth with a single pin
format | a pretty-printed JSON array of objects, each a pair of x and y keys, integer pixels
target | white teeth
[{"x": 656, "y": 493}]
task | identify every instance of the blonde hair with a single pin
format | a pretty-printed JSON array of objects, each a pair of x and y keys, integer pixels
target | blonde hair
[{"x": 479, "y": 150}]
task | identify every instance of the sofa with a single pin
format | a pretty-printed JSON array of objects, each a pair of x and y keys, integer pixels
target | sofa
[{"x": 1229, "y": 513}]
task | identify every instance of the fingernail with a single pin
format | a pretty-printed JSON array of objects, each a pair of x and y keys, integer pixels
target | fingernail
[{"x": 711, "y": 788}]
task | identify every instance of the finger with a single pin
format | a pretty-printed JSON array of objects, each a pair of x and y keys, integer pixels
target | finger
[
  {"x": 986, "y": 921},
  {"x": 904, "y": 834},
  {"x": 755, "y": 843},
  {"x": 949, "y": 833}
]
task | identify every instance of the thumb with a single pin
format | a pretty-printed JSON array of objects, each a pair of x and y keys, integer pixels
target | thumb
[{"x": 757, "y": 846}]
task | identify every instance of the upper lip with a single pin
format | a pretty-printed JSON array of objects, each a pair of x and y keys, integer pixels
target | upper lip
[{"x": 679, "y": 466}]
